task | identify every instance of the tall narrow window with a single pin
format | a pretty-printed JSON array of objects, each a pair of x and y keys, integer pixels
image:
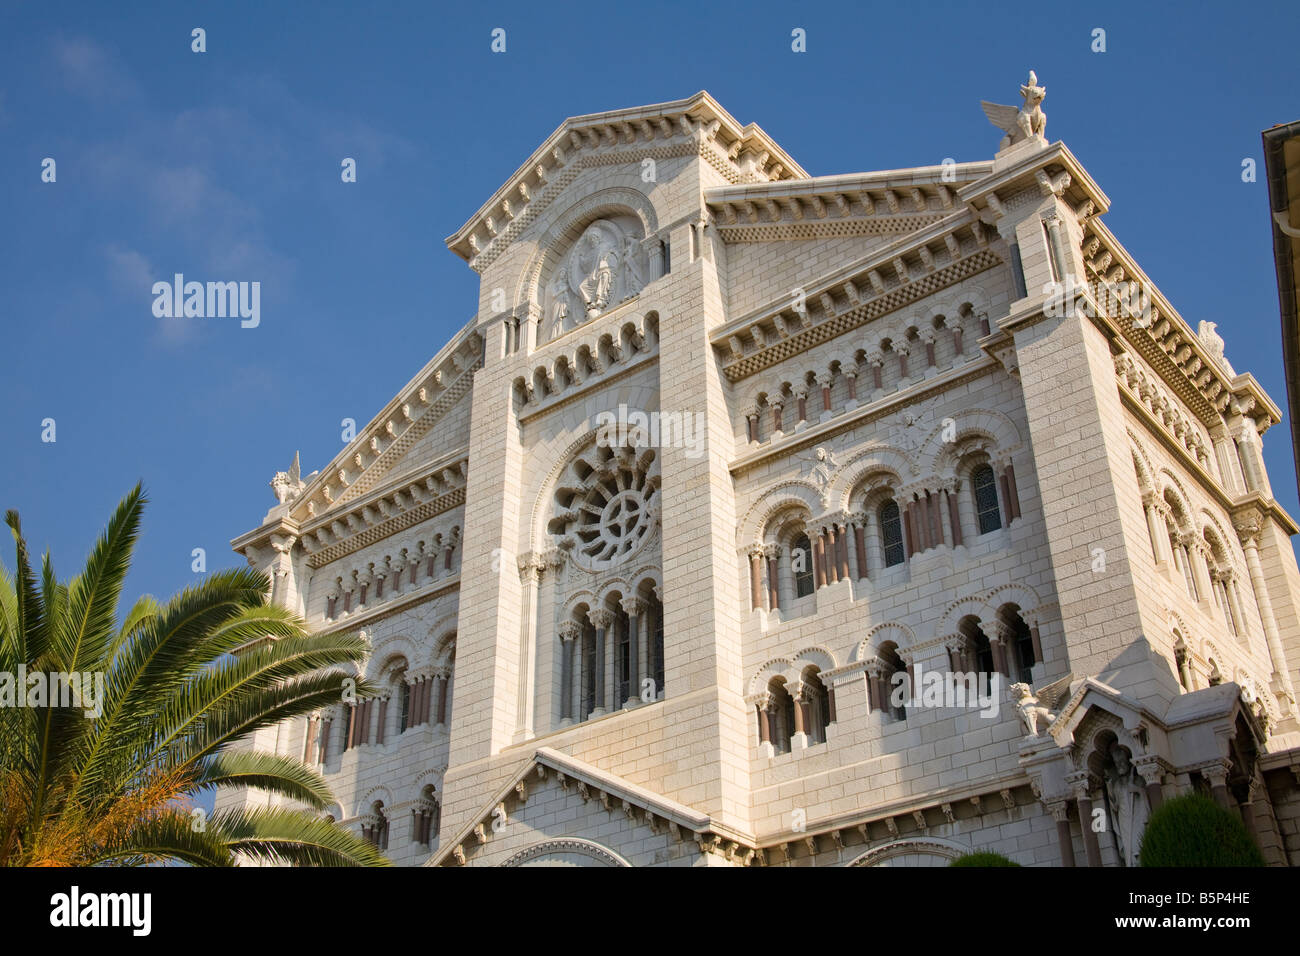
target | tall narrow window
[
  {"x": 891, "y": 533},
  {"x": 657, "y": 646},
  {"x": 622, "y": 658},
  {"x": 588, "y": 670},
  {"x": 985, "y": 485},
  {"x": 801, "y": 564},
  {"x": 404, "y": 711}
]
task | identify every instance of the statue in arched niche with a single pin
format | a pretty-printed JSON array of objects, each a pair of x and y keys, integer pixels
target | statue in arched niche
[
  {"x": 1127, "y": 796},
  {"x": 604, "y": 267}
]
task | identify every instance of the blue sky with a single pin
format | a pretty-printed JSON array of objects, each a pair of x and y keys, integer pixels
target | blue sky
[{"x": 225, "y": 165}]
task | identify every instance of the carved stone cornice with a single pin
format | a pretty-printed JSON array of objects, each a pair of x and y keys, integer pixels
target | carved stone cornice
[{"x": 884, "y": 297}]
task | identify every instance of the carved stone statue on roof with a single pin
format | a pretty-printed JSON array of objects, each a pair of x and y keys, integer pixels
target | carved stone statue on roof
[{"x": 1027, "y": 122}]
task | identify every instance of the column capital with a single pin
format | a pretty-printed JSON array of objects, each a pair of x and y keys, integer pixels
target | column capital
[
  {"x": 1248, "y": 527},
  {"x": 1081, "y": 784},
  {"x": 600, "y": 618},
  {"x": 1215, "y": 771},
  {"x": 635, "y": 605},
  {"x": 570, "y": 631},
  {"x": 1059, "y": 809},
  {"x": 1148, "y": 766}
]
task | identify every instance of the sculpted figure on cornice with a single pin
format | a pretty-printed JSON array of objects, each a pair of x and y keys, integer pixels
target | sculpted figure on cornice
[{"x": 604, "y": 267}]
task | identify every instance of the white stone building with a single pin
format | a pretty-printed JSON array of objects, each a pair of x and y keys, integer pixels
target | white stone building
[{"x": 919, "y": 421}]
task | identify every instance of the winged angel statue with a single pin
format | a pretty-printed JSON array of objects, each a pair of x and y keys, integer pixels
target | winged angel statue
[{"x": 1028, "y": 122}]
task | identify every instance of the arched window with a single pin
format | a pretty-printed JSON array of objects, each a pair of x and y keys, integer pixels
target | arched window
[
  {"x": 981, "y": 649},
  {"x": 894, "y": 666},
  {"x": 782, "y": 716},
  {"x": 1020, "y": 646},
  {"x": 816, "y": 708},
  {"x": 891, "y": 533},
  {"x": 985, "y": 486},
  {"x": 404, "y": 706},
  {"x": 656, "y": 648},
  {"x": 801, "y": 565},
  {"x": 424, "y": 817},
  {"x": 375, "y": 830}
]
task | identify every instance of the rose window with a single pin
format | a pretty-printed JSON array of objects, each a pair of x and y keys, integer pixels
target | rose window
[{"x": 606, "y": 505}]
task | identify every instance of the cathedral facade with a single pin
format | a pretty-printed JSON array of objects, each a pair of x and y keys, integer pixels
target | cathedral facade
[{"x": 760, "y": 518}]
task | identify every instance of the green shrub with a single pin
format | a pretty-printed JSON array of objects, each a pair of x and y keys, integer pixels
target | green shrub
[
  {"x": 983, "y": 858},
  {"x": 1193, "y": 830}
]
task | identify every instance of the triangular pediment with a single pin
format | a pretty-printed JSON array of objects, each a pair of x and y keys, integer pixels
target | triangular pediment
[
  {"x": 697, "y": 125},
  {"x": 564, "y": 779}
]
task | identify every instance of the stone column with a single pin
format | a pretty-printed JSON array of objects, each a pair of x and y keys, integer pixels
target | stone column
[
  {"x": 877, "y": 697},
  {"x": 902, "y": 351},
  {"x": 954, "y": 514},
  {"x": 956, "y": 647},
  {"x": 928, "y": 339},
  {"x": 776, "y": 416},
  {"x": 824, "y": 380},
  {"x": 755, "y": 577},
  {"x": 1149, "y": 768},
  {"x": 443, "y": 678},
  {"x": 530, "y": 573},
  {"x": 819, "y": 560},
  {"x": 763, "y": 708},
  {"x": 801, "y": 401},
  {"x": 448, "y": 547},
  {"x": 956, "y": 338},
  {"x": 1217, "y": 774},
  {"x": 751, "y": 425},
  {"x": 999, "y": 642},
  {"x": 799, "y": 738},
  {"x": 842, "y": 535},
  {"x": 877, "y": 362},
  {"x": 860, "y": 543},
  {"x": 851, "y": 379},
  {"x": 1060, "y": 811},
  {"x": 1248, "y": 530},
  {"x": 570, "y": 631},
  {"x": 601, "y": 620},
  {"x": 773, "y": 553},
  {"x": 1013, "y": 496},
  {"x": 1081, "y": 784},
  {"x": 635, "y": 609}
]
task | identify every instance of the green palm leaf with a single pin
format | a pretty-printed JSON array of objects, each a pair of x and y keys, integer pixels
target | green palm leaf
[{"x": 185, "y": 682}]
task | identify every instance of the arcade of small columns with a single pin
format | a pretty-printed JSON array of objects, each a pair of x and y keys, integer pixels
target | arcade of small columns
[
  {"x": 388, "y": 571},
  {"x": 963, "y": 649},
  {"x": 776, "y": 400},
  {"x": 927, "y": 522},
  {"x": 417, "y": 686},
  {"x": 588, "y": 684}
]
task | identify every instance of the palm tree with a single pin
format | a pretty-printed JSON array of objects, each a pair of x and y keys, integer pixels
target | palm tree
[{"x": 112, "y": 780}]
